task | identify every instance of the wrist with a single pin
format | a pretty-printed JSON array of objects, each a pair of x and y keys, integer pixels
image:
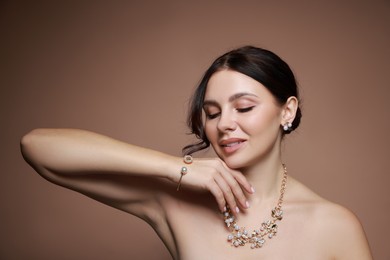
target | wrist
[
  {"x": 171, "y": 170},
  {"x": 187, "y": 159}
]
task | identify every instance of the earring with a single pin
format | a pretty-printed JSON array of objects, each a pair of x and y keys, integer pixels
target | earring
[{"x": 287, "y": 127}]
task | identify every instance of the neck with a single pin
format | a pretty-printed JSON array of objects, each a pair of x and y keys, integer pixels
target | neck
[{"x": 266, "y": 178}]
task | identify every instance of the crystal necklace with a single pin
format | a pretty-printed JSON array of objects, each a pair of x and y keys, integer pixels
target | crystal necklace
[{"x": 268, "y": 229}]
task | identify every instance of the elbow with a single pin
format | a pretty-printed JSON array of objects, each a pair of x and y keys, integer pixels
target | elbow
[
  {"x": 32, "y": 148},
  {"x": 29, "y": 145},
  {"x": 29, "y": 139}
]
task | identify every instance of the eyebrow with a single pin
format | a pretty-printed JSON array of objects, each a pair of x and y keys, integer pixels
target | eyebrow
[{"x": 231, "y": 98}]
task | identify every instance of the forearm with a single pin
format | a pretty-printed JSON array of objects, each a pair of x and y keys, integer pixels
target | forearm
[{"x": 73, "y": 151}]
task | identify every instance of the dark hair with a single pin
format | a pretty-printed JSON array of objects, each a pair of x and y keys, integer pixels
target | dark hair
[{"x": 263, "y": 66}]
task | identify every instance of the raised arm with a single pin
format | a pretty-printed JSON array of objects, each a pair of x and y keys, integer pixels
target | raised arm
[
  {"x": 122, "y": 175},
  {"x": 74, "y": 151},
  {"x": 100, "y": 167}
]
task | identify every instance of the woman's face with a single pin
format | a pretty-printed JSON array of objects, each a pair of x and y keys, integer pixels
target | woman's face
[{"x": 242, "y": 119}]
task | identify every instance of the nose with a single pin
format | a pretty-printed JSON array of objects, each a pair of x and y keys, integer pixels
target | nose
[{"x": 226, "y": 122}]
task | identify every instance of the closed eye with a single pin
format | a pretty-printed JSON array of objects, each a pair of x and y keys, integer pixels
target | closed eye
[
  {"x": 212, "y": 116},
  {"x": 245, "y": 109}
]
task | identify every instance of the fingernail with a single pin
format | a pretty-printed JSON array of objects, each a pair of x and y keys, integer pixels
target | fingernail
[
  {"x": 224, "y": 209},
  {"x": 237, "y": 210},
  {"x": 252, "y": 189},
  {"x": 247, "y": 204}
]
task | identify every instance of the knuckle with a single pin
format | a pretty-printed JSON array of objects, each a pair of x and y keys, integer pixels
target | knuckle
[
  {"x": 219, "y": 195},
  {"x": 235, "y": 186},
  {"x": 210, "y": 177},
  {"x": 229, "y": 194}
]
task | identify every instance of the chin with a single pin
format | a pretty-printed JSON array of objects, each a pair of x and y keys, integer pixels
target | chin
[{"x": 234, "y": 163}]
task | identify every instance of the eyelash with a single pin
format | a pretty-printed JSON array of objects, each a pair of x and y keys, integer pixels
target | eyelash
[
  {"x": 240, "y": 110},
  {"x": 244, "y": 110},
  {"x": 212, "y": 116}
]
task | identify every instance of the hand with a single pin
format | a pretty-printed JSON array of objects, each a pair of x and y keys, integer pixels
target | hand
[{"x": 226, "y": 185}]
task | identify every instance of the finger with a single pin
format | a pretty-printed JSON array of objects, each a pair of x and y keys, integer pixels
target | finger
[
  {"x": 238, "y": 193},
  {"x": 228, "y": 193},
  {"x": 218, "y": 194},
  {"x": 242, "y": 180},
  {"x": 235, "y": 188}
]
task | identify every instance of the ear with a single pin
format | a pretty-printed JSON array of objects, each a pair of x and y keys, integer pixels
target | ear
[{"x": 289, "y": 110}]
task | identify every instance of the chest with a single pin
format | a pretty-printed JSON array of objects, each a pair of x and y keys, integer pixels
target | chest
[{"x": 200, "y": 233}]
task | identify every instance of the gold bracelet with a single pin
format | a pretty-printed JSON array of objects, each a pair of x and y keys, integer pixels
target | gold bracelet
[{"x": 187, "y": 160}]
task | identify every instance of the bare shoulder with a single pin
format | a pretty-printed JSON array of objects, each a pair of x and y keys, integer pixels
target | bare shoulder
[{"x": 338, "y": 228}]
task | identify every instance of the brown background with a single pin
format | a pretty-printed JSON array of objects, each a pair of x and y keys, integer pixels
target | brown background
[{"x": 127, "y": 69}]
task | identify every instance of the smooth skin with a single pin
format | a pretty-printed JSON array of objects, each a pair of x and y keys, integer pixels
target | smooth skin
[{"x": 243, "y": 123}]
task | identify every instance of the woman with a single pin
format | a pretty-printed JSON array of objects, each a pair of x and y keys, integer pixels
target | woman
[{"x": 246, "y": 102}]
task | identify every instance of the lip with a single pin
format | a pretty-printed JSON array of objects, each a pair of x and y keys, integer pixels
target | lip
[{"x": 231, "y": 145}]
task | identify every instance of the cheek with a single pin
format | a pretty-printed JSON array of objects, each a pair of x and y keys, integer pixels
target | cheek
[
  {"x": 210, "y": 131},
  {"x": 267, "y": 121}
]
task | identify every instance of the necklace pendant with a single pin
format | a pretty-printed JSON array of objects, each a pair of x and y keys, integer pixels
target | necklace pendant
[
  {"x": 241, "y": 237},
  {"x": 257, "y": 242},
  {"x": 271, "y": 228}
]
